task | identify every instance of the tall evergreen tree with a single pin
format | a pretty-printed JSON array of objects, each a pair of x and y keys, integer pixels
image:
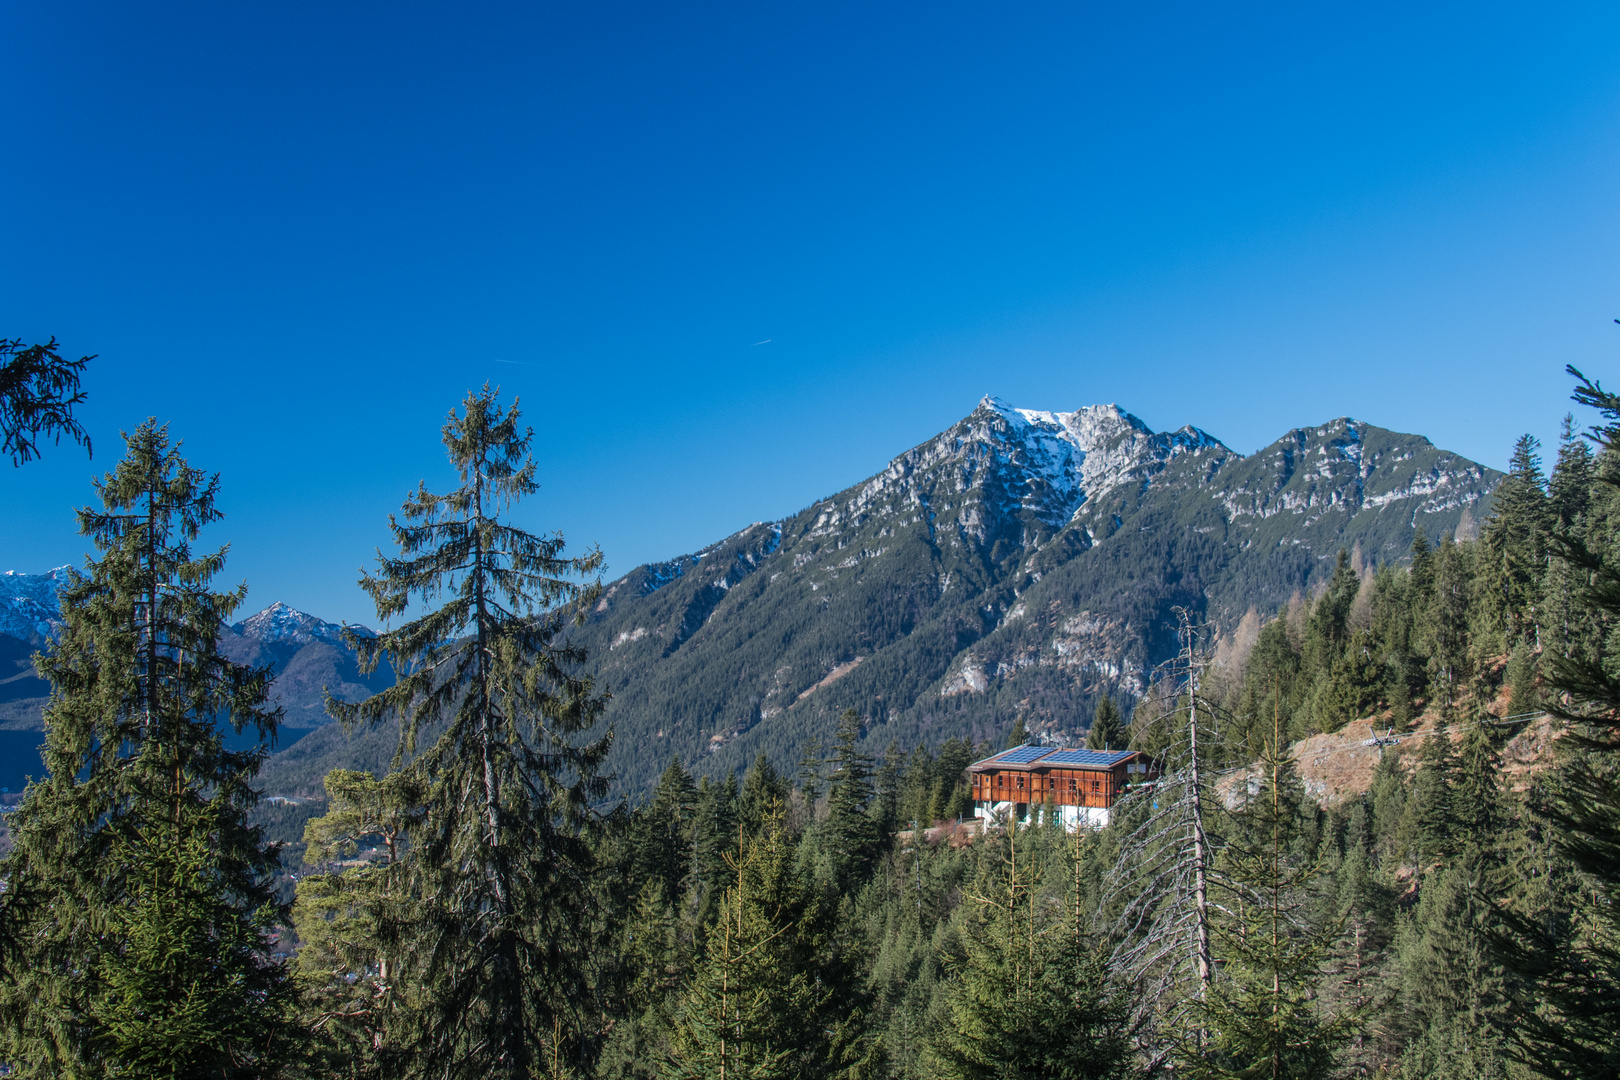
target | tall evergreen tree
[
  {"x": 1516, "y": 536},
  {"x": 1569, "y": 491},
  {"x": 1019, "y": 735},
  {"x": 850, "y": 831},
  {"x": 1566, "y": 1018},
  {"x": 1107, "y": 729},
  {"x": 756, "y": 1006},
  {"x": 1031, "y": 998},
  {"x": 763, "y": 787},
  {"x": 143, "y": 900},
  {"x": 886, "y": 789},
  {"x": 1448, "y": 622},
  {"x": 1261, "y": 1017},
  {"x": 716, "y": 833},
  {"x": 1477, "y": 809},
  {"x": 498, "y": 941},
  {"x": 348, "y": 979},
  {"x": 1433, "y": 804},
  {"x": 663, "y": 832}
]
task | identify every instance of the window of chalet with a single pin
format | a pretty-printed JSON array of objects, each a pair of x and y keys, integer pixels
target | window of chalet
[{"x": 1020, "y": 783}]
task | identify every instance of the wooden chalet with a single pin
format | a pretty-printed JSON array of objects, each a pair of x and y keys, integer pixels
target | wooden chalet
[{"x": 1080, "y": 785}]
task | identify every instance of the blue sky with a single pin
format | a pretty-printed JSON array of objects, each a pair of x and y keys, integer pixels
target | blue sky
[{"x": 300, "y": 232}]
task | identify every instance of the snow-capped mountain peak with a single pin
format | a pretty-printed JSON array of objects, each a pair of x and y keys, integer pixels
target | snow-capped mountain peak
[
  {"x": 281, "y": 622},
  {"x": 1086, "y": 453},
  {"x": 28, "y": 603}
]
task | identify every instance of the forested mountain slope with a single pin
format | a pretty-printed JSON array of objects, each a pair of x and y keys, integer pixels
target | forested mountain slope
[{"x": 1018, "y": 564}]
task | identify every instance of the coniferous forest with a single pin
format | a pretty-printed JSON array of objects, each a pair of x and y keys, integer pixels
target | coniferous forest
[{"x": 482, "y": 909}]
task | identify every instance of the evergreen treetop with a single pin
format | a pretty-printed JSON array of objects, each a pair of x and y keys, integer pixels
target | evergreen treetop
[
  {"x": 500, "y": 940},
  {"x": 140, "y": 898}
]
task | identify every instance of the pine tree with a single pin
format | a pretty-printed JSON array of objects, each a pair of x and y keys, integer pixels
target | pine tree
[
  {"x": 1031, "y": 998},
  {"x": 498, "y": 942},
  {"x": 663, "y": 830},
  {"x": 1261, "y": 1017},
  {"x": 38, "y": 391},
  {"x": 1566, "y": 1018},
  {"x": 1019, "y": 735},
  {"x": 1516, "y": 536},
  {"x": 1107, "y": 731},
  {"x": 755, "y": 1007},
  {"x": 850, "y": 832},
  {"x": 347, "y": 977},
  {"x": 143, "y": 900}
]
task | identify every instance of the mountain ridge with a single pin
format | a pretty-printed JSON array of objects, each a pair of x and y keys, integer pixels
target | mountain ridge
[
  {"x": 1018, "y": 564},
  {"x": 1004, "y": 594}
]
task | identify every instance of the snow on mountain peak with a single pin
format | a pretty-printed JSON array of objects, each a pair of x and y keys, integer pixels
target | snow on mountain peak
[
  {"x": 1080, "y": 455},
  {"x": 28, "y": 603},
  {"x": 284, "y": 623}
]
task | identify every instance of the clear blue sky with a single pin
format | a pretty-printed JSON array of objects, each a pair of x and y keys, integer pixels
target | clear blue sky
[{"x": 299, "y": 232}]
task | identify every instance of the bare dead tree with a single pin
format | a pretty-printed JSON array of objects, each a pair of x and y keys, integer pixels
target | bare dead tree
[{"x": 1161, "y": 895}]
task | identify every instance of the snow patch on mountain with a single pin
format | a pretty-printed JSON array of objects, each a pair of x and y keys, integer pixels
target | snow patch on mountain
[
  {"x": 29, "y": 607},
  {"x": 1087, "y": 453},
  {"x": 283, "y": 624}
]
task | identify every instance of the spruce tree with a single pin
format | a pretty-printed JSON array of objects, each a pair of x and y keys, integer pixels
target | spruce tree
[
  {"x": 1569, "y": 490},
  {"x": 1262, "y": 1016},
  {"x": 140, "y": 897},
  {"x": 498, "y": 942},
  {"x": 763, "y": 787},
  {"x": 850, "y": 832},
  {"x": 1107, "y": 730},
  {"x": 39, "y": 388},
  {"x": 756, "y": 1006},
  {"x": 1019, "y": 735},
  {"x": 716, "y": 832},
  {"x": 348, "y": 979},
  {"x": 1433, "y": 804},
  {"x": 1477, "y": 809},
  {"x": 1448, "y": 622},
  {"x": 1566, "y": 1016},
  {"x": 662, "y": 833},
  {"x": 886, "y": 789},
  {"x": 1031, "y": 997},
  {"x": 1516, "y": 536}
]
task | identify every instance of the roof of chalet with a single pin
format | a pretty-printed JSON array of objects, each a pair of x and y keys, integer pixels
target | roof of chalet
[{"x": 1029, "y": 756}]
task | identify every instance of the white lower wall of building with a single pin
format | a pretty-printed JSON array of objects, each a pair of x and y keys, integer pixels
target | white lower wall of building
[{"x": 1074, "y": 818}]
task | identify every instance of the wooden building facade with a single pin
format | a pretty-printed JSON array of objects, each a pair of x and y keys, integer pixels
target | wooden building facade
[{"x": 1080, "y": 785}]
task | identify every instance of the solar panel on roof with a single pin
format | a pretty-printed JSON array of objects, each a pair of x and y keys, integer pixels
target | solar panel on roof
[
  {"x": 1022, "y": 755},
  {"x": 1087, "y": 757}
]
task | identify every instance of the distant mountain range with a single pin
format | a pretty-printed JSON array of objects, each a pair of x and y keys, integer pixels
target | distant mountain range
[
  {"x": 1020, "y": 563},
  {"x": 305, "y": 653}
]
